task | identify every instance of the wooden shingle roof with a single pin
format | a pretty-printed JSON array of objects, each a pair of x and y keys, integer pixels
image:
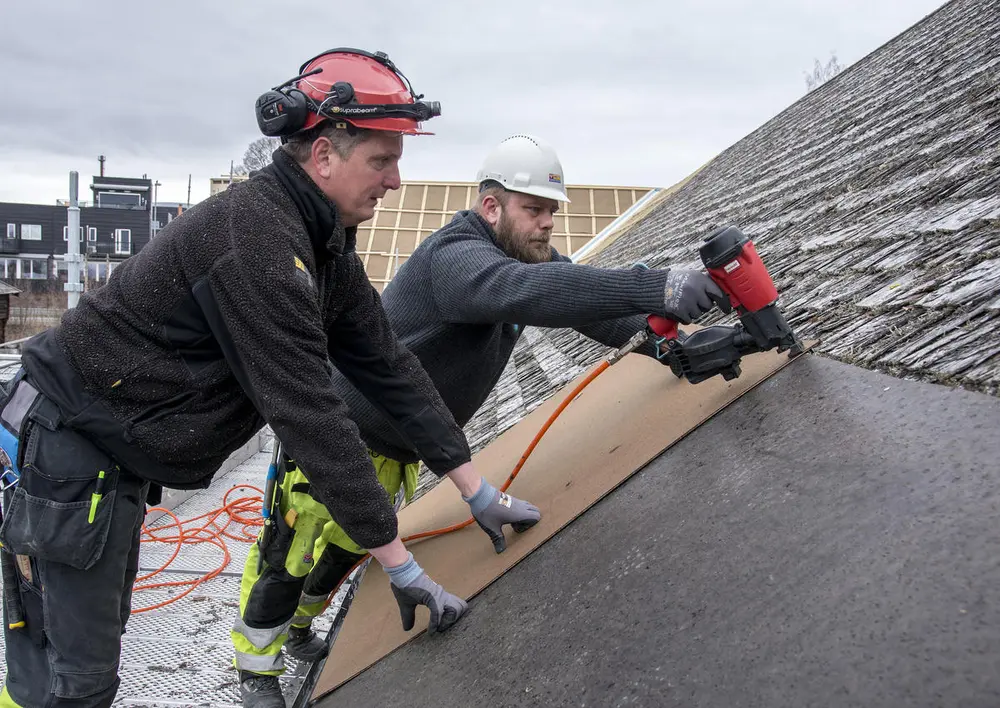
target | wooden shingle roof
[{"x": 875, "y": 202}]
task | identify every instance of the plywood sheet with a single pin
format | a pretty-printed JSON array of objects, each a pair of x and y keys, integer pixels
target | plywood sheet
[{"x": 626, "y": 417}]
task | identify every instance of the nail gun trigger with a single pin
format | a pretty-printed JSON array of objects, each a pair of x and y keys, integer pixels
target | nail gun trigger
[
  {"x": 658, "y": 343},
  {"x": 667, "y": 346}
]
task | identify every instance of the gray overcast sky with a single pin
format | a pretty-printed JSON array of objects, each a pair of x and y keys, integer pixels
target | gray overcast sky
[{"x": 637, "y": 92}]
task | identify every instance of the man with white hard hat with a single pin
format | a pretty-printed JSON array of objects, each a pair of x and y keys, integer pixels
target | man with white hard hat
[{"x": 461, "y": 302}]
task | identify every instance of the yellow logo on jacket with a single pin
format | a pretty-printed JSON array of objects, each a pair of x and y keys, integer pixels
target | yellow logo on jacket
[{"x": 306, "y": 275}]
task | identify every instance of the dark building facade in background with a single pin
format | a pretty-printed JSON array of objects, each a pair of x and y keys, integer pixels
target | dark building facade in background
[{"x": 115, "y": 223}]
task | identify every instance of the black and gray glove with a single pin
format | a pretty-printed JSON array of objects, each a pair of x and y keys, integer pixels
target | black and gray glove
[
  {"x": 492, "y": 508},
  {"x": 689, "y": 294},
  {"x": 411, "y": 586}
]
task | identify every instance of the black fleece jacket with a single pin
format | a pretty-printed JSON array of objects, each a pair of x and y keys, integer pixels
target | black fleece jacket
[
  {"x": 460, "y": 304},
  {"x": 228, "y": 319}
]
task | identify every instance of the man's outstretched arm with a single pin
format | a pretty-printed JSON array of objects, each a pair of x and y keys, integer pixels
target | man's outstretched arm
[
  {"x": 614, "y": 332},
  {"x": 475, "y": 282}
]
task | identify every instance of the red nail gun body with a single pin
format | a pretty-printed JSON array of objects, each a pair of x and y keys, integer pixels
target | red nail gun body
[{"x": 733, "y": 263}]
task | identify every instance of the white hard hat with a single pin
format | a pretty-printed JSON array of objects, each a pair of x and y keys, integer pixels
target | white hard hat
[{"x": 524, "y": 163}]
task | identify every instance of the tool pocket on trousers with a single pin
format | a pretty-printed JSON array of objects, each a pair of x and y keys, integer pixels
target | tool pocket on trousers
[
  {"x": 61, "y": 509},
  {"x": 278, "y": 543},
  {"x": 34, "y": 617}
]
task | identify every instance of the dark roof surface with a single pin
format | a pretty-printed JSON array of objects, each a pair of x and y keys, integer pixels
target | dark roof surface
[
  {"x": 847, "y": 559},
  {"x": 875, "y": 203}
]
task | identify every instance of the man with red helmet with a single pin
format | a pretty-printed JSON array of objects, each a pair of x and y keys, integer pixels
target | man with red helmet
[
  {"x": 232, "y": 318},
  {"x": 360, "y": 103}
]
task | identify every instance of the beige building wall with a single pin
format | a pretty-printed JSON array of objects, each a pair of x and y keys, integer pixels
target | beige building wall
[
  {"x": 219, "y": 184},
  {"x": 407, "y": 216}
]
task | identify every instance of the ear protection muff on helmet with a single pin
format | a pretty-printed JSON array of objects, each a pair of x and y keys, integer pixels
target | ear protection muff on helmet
[{"x": 281, "y": 112}]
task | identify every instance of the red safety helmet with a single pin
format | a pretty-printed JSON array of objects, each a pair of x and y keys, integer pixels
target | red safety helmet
[{"x": 356, "y": 87}]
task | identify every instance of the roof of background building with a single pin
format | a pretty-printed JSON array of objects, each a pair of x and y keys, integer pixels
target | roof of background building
[
  {"x": 138, "y": 183},
  {"x": 875, "y": 202}
]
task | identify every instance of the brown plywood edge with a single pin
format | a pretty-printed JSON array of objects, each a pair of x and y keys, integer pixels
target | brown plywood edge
[{"x": 623, "y": 420}]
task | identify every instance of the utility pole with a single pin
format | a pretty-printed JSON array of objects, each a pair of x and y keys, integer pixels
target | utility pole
[
  {"x": 152, "y": 213},
  {"x": 189, "y": 190},
  {"x": 73, "y": 285}
]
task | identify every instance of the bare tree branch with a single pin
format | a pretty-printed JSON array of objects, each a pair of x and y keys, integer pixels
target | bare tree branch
[
  {"x": 258, "y": 155},
  {"x": 822, "y": 73}
]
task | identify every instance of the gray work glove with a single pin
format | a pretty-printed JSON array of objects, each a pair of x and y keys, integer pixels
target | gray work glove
[
  {"x": 492, "y": 509},
  {"x": 690, "y": 293},
  {"x": 411, "y": 586}
]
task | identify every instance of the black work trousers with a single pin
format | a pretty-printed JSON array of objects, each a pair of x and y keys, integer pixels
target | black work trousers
[{"x": 76, "y": 541}]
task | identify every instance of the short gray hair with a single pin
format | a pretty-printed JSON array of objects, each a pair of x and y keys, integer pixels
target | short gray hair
[
  {"x": 492, "y": 188},
  {"x": 344, "y": 139}
]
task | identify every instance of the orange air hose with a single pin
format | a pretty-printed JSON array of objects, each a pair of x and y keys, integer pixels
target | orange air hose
[
  {"x": 600, "y": 369},
  {"x": 527, "y": 453}
]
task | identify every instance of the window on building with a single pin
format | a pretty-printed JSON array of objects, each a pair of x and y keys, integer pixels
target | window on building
[
  {"x": 119, "y": 200},
  {"x": 66, "y": 233},
  {"x": 31, "y": 232},
  {"x": 92, "y": 234},
  {"x": 11, "y": 231},
  {"x": 123, "y": 242},
  {"x": 27, "y": 268}
]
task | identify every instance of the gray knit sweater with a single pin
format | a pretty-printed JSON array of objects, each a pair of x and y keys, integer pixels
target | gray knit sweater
[{"x": 460, "y": 303}]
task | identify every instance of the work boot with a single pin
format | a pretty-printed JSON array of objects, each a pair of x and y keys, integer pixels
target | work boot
[
  {"x": 260, "y": 691},
  {"x": 305, "y": 645}
]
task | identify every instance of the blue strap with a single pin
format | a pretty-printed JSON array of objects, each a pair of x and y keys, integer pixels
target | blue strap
[{"x": 8, "y": 458}]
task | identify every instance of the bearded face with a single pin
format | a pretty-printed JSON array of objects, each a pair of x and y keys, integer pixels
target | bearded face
[
  {"x": 524, "y": 227},
  {"x": 526, "y": 245}
]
